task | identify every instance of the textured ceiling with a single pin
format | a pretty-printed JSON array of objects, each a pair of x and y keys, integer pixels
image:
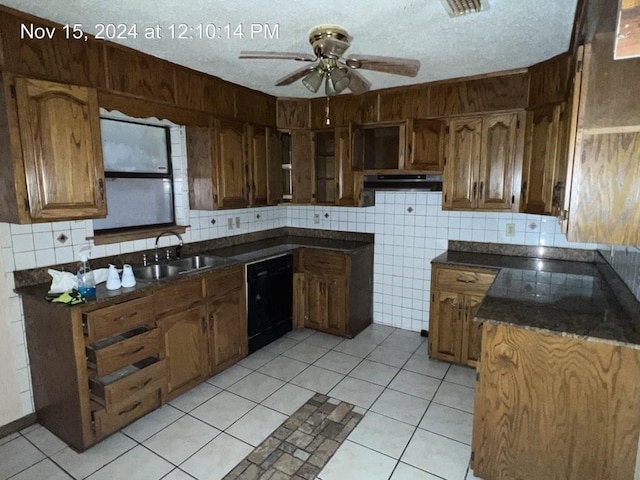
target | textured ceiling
[{"x": 510, "y": 34}]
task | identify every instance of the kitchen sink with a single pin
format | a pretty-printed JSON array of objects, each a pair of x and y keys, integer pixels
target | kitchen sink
[
  {"x": 156, "y": 271},
  {"x": 200, "y": 261}
]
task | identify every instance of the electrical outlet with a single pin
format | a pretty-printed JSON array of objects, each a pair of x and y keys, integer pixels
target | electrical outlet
[
  {"x": 316, "y": 218},
  {"x": 237, "y": 222},
  {"x": 230, "y": 223},
  {"x": 510, "y": 230}
]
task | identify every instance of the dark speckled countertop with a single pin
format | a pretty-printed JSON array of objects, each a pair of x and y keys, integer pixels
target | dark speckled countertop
[{"x": 579, "y": 295}]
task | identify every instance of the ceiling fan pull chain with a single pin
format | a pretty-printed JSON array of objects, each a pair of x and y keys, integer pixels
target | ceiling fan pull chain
[{"x": 327, "y": 120}]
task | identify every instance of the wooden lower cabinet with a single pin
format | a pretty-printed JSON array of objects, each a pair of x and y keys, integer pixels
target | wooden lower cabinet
[
  {"x": 454, "y": 335},
  {"x": 184, "y": 344},
  {"x": 555, "y": 406},
  {"x": 333, "y": 290}
]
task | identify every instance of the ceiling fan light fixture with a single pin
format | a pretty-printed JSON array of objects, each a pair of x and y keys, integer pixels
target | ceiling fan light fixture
[
  {"x": 313, "y": 80},
  {"x": 456, "y": 8},
  {"x": 339, "y": 79}
]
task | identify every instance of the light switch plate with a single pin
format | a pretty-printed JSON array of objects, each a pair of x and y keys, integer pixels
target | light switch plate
[
  {"x": 316, "y": 218},
  {"x": 237, "y": 222},
  {"x": 230, "y": 223},
  {"x": 510, "y": 231}
]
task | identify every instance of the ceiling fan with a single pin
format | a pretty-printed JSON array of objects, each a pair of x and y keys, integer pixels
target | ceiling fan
[{"x": 338, "y": 73}]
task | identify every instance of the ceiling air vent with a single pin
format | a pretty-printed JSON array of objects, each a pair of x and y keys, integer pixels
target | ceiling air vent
[{"x": 455, "y": 8}]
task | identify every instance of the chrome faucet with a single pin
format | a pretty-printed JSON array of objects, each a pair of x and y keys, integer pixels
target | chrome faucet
[{"x": 178, "y": 247}]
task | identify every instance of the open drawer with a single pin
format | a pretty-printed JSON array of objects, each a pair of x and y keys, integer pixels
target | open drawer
[
  {"x": 114, "y": 353},
  {"x": 144, "y": 376},
  {"x": 106, "y": 421}
]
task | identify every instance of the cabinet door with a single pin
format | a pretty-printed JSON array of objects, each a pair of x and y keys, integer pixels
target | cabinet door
[
  {"x": 425, "y": 146},
  {"x": 258, "y": 160},
  {"x": 203, "y": 184},
  {"x": 316, "y": 305},
  {"x": 460, "y": 173},
  {"x": 232, "y": 166},
  {"x": 445, "y": 326},
  {"x": 325, "y": 167},
  {"x": 336, "y": 292},
  {"x": 345, "y": 182},
  {"x": 62, "y": 149},
  {"x": 497, "y": 161},
  {"x": 185, "y": 349},
  {"x": 302, "y": 153},
  {"x": 299, "y": 300},
  {"x": 471, "y": 331},
  {"x": 275, "y": 186},
  {"x": 227, "y": 330}
]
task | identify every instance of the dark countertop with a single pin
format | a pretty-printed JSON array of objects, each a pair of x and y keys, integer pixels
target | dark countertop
[
  {"x": 579, "y": 298},
  {"x": 30, "y": 282}
]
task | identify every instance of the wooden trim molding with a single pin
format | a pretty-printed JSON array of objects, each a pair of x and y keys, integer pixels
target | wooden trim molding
[
  {"x": 17, "y": 425},
  {"x": 107, "y": 238}
]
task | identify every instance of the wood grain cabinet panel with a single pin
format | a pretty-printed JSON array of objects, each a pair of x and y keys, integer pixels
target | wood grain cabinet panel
[
  {"x": 230, "y": 147},
  {"x": 425, "y": 144},
  {"x": 302, "y": 155},
  {"x": 203, "y": 175},
  {"x": 551, "y": 406},
  {"x": 259, "y": 163},
  {"x": 62, "y": 150},
  {"x": 461, "y": 172},
  {"x": 275, "y": 179}
]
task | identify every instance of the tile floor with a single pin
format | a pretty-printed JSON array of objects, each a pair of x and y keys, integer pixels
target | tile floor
[{"x": 416, "y": 426}]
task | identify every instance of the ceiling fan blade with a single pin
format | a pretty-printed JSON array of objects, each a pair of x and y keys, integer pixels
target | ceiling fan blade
[
  {"x": 295, "y": 75},
  {"x": 333, "y": 47},
  {"x": 301, "y": 57},
  {"x": 397, "y": 66},
  {"x": 358, "y": 83}
]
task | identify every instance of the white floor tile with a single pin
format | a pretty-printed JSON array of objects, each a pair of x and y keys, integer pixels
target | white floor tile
[
  {"x": 300, "y": 333},
  {"x": 338, "y": 362},
  {"x": 404, "y": 340},
  {"x": 14, "y": 435},
  {"x": 44, "y": 470},
  {"x": 448, "y": 422},
  {"x": 181, "y": 439},
  {"x": 257, "y": 359},
  {"x": 358, "y": 347},
  {"x": 177, "y": 474},
  {"x": 438, "y": 455},
  {"x": 256, "y": 386},
  {"x": 306, "y": 352},
  {"x": 401, "y": 406},
  {"x": 426, "y": 366},
  {"x": 355, "y": 462},
  {"x": 223, "y": 410},
  {"x": 46, "y": 441},
  {"x": 415, "y": 384},
  {"x": 17, "y": 455},
  {"x": 288, "y": 399},
  {"x": 81, "y": 465},
  {"x": 256, "y": 425},
  {"x": 382, "y": 434},
  {"x": 230, "y": 376},
  {"x": 373, "y": 334},
  {"x": 136, "y": 464},
  {"x": 317, "y": 379},
  {"x": 284, "y": 368},
  {"x": 356, "y": 392},
  {"x": 324, "y": 340},
  {"x": 456, "y": 396},
  {"x": 462, "y": 376},
  {"x": 407, "y": 472},
  {"x": 217, "y": 458},
  {"x": 195, "y": 397},
  {"x": 471, "y": 476},
  {"x": 374, "y": 372},
  {"x": 281, "y": 345},
  {"x": 389, "y": 356},
  {"x": 152, "y": 423}
]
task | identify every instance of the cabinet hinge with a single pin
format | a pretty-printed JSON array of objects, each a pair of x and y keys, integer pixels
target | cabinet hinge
[
  {"x": 564, "y": 214},
  {"x": 445, "y": 198},
  {"x": 12, "y": 89},
  {"x": 477, "y": 376},
  {"x": 513, "y": 199},
  {"x": 579, "y": 66},
  {"x": 518, "y": 123},
  {"x": 445, "y": 161},
  {"x": 447, "y": 129},
  {"x": 472, "y": 455},
  {"x": 26, "y": 204}
]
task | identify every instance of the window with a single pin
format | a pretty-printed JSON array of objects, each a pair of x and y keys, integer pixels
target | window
[{"x": 138, "y": 174}]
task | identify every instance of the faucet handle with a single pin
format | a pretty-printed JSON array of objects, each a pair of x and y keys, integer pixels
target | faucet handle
[
  {"x": 144, "y": 259},
  {"x": 167, "y": 253}
]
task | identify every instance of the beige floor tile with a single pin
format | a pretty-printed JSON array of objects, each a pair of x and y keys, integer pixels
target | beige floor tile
[
  {"x": 401, "y": 406},
  {"x": 195, "y": 397},
  {"x": 152, "y": 423},
  {"x": 300, "y": 333},
  {"x": 223, "y": 410},
  {"x": 44, "y": 470},
  {"x": 374, "y": 372},
  {"x": 17, "y": 455},
  {"x": 355, "y": 462},
  {"x": 230, "y": 376},
  {"x": 317, "y": 379},
  {"x": 281, "y": 345},
  {"x": 415, "y": 384},
  {"x": 256, "y": 386},
  {"x": 383, "y": 434},
  {"x": 217, "y": 458},
  {"x": 407, "y": 472},
  {"x": 324, "y": 340},
  {"x": 257, "y": 359},
  {"x": 438, "y": 455},
  {"x": 389, "y": 356},
  {"x": 356, "y": 392},
  {"x": 456, "y": 396},
  {"x": 44, "y": 440},
  {"x": 448, "y": 422},
  {"x": 462, "y": 376},
  {"x": 306, "y": 352},
  {"x": 283, "y": 368},
  {"x": 137, "y": 464},
  {"x": 338, "y": 362},
  {"x": 288, "y": 399},
  {"x": 256, "y": 425},
  {"x": 426, "y": 366}
]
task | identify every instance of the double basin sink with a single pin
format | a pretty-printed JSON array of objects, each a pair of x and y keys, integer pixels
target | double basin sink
[{"x": 171, "y": 268}]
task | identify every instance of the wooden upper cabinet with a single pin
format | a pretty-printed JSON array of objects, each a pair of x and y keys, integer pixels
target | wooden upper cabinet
[
  {"x": 497, "y": 161},
  {"x": 203, "y": 184},
  {"x": 232, "y": 166},
  {"x": 460, "y": 181},
  {"x": 275, "y": 179},
  {"x": 62, "y": 150},
  {"x": 345, "y": 182},
  {"x": 482, "y": 159},
  {"x": 302, "y": 153},
  {"x": 425, "y": 144},
  {"x": 258, "y": 161}
]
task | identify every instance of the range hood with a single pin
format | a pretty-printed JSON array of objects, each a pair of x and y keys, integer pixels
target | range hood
[{"x": 404, "y": 181}]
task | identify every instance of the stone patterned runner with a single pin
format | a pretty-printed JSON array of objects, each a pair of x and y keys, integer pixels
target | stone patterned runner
[{"x": 300, "y": 447}]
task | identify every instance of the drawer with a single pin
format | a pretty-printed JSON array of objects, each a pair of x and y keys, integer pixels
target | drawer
[
  {"x": 220, "y": 283},
  {"x": 324, "y": 261},
  {"x": 178, "y": 296},
  {"x": 464, "y": 281},
  {"x": 111, "y": 355},
  {"x": 119, "y": 318},
  {"x": 136, "y": 379},
  {"x": 106, "y": 422}
]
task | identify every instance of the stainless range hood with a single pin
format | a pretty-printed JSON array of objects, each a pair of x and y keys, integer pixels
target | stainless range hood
[{"x": 404, "y": 181}]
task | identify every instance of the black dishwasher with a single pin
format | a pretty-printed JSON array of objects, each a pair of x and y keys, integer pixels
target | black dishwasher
[{"x": 269, "y": 300}]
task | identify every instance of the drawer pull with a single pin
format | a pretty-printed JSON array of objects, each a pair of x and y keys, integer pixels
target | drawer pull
[
  {"x": 142, "y": 385},
  {"x": 128, "y": 316},
  {"x": 136, "y": 350},
  {"x": 462, "y": 279},
  {"x": 130, "y": 409}
]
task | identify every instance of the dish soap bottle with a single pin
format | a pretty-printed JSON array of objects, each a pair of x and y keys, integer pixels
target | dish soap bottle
[{"x": 86, "y": 281}]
